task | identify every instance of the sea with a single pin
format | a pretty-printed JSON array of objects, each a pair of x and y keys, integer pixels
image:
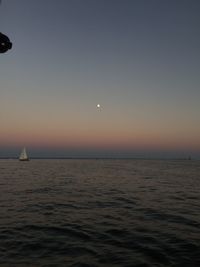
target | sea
[{"x": 99, "y": 213}]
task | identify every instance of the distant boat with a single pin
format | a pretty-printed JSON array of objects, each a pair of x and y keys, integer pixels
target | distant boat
[{"x": 23, "y": 156}]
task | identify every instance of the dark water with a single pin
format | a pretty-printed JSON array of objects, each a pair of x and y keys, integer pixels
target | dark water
[{"x": 99, "y": 213}]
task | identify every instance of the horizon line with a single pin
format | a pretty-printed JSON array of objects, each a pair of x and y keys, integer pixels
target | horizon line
[{"x": 124, "y": 158}]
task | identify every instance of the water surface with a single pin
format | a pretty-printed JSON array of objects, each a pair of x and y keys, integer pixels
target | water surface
[{"x": 80, "y": 213}]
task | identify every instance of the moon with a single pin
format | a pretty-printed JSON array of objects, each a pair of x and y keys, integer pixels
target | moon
[{"x": 98, "y": 106}]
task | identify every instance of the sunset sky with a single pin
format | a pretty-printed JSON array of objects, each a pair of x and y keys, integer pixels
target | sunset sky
[{"x": 138, "y": 59}]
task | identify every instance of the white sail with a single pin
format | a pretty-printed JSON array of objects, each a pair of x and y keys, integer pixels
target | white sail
[{"x": 23, "y": 156}]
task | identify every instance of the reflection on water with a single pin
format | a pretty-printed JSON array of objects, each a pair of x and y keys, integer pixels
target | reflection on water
[{"x": 99, "y": 213}]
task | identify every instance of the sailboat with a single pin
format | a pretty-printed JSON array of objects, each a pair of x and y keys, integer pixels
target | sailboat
[{"x": 23, "y": 156}]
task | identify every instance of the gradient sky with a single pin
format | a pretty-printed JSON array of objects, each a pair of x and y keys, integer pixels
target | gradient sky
[{"x": 139, "y": 59}]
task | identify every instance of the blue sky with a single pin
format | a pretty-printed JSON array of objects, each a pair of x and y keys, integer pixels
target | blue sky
[{"x": 139, "y": 59}]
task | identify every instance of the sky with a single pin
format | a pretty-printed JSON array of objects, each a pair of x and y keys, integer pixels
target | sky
[{"x": 138, "y": 59}]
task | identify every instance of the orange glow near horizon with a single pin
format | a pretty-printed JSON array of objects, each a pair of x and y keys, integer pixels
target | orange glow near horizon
[{"x": 99, "y": 140}]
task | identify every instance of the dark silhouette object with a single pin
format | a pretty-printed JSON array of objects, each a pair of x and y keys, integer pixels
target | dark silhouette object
[{"x": 5, "y": 43}]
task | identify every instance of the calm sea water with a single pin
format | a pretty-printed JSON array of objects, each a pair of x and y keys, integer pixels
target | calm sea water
[{"x": 99, "y": 213}]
